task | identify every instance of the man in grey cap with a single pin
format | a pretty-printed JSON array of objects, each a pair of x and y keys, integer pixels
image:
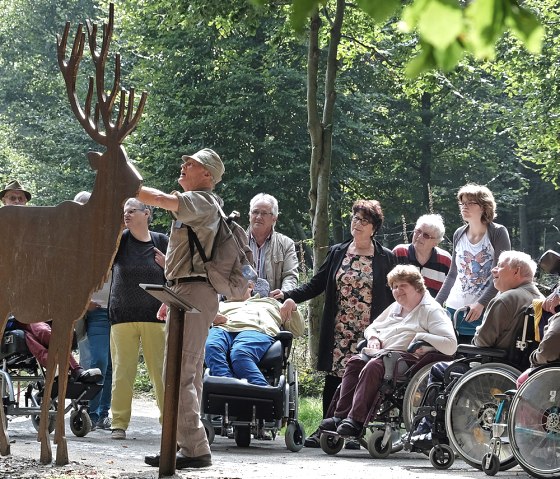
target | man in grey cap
[
  {"x": 14, "y": 194},
  {"x": 196, "y": 207}
]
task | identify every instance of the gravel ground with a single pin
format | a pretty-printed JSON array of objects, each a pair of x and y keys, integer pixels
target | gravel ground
[{"x": 97, "y": 456}]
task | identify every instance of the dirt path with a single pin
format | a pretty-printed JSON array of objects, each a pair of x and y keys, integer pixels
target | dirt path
[{"x": 97, "y": 456}]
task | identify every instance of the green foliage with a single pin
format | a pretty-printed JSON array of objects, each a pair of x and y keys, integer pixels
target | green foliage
[
  {"x": 310, "y": 412},
  {"x": 142, "y": 383},
  {"x": 446, "y": 28}
]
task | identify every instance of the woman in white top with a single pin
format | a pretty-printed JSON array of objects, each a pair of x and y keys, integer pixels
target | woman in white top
[
  {"x": 415, "y": 316},
  {"x": 476, "y": 248}
]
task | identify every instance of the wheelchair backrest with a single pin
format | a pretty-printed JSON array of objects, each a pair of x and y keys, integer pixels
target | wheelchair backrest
[
  {"x": 275, "y": 359},
  {"x": 518, "y": 352}
]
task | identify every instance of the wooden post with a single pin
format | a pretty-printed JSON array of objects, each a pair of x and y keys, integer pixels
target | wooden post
[{"x": 174, "y": 355}]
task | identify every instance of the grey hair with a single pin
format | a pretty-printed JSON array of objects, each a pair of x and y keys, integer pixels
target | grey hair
[
  {"x": 435, "y": 222},
  {"x": 517, "y": 259},
  {"x": 273, "y": 202},
  {"x": 82, "y": 197},
  {"x": 141, "y": 206}
]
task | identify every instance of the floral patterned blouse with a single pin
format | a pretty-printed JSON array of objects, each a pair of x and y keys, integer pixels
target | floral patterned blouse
[{"x": 354, "y": 281}]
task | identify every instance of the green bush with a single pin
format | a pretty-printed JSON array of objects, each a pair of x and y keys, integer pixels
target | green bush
[
  {"x": 310, "y": 413},
  {"x": 142, "y": 383}
]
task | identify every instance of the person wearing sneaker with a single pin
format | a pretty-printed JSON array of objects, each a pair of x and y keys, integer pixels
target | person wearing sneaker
[
  {"x": 353, "y": 278},
  {"x": 133, "y": 313},
  {"x": 415, "y": 316},
  {"x": 198, "y": 207}
]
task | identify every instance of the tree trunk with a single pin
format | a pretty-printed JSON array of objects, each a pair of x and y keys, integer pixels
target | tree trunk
[
  {"x": 426, "y": 149},
  {"x": 320, "y": 132}
]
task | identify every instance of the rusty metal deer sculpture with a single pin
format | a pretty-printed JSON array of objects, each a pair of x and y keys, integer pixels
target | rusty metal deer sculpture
[{"x": 54, "y": 258}]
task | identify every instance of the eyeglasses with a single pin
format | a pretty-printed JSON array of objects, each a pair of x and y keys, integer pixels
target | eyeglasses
[
  {"x": 133, "y": 210},
  {"x": 424, "y": 235},
  {"x": 362, "y": 221},
  {"x": 466, "y": 204},
  {"x": 264, "y": 214}
]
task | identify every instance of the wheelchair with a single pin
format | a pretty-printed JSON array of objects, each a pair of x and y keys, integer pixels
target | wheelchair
[
  {"x": 461, "y": 408},
  {"x": 21, "y": 369},
  {"x": 534, "y": 423},
  {"x": 394, "y": 408},
  {"x": 233, "y": 407},
  {"x": 543, "y": 403}
]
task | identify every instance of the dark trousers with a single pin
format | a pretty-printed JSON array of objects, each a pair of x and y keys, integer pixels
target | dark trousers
[{"x": 360, "y": 386}]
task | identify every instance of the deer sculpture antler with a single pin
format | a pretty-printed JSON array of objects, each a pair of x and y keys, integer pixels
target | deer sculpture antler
[{"x": 126, "y": 121}]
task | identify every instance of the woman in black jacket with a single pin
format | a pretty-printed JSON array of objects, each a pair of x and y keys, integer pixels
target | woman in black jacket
[{"x": 354, "y": 280}]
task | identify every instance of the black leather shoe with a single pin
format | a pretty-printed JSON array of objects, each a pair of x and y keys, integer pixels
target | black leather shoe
[
  {"x": 313, "y": 440},
  {"x": 90, "y": 376},
  {"x": 329, "y": 424},
  {"x": 349, "y": 428},
  {"x": 182, "y": 462}
]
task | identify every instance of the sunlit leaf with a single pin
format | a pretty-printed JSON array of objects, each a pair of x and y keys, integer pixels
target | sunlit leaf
[
  {"x": 441, "y": 22},
  {"x": 421, "y": 63},
  {"x": 301, "y": 10},
  {"x": 447, "y": 58},
  {"x": 379, "y": 10},
  {"x": 526, "y": 26},
  {"x": 411, "y": 15}
]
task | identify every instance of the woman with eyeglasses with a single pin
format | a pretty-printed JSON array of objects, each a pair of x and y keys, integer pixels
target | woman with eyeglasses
[
  {"x": 354, "y": 280},
  {"x": 423, "y": 252},
  {"x": 476, "y": 248}
]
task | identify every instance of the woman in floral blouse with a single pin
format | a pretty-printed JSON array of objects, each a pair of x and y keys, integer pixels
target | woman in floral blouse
[{"x": 354, "y": 280}]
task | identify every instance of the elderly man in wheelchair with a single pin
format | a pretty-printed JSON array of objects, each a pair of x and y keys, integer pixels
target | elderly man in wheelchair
[
  {"x": 414, "y": 317},
  {"x": 249, "y": 379},
  {"x": 459, "y": 405}
]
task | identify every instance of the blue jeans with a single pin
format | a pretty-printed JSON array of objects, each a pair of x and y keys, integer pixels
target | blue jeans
[
  {"x": 245, "y": 349},
  {"x": 98, "y": 334}
]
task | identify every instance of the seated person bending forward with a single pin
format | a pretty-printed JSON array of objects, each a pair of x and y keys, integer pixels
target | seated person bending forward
[
  {"x": 244, "y": 329},
  {"x": 415, "y": 316}
]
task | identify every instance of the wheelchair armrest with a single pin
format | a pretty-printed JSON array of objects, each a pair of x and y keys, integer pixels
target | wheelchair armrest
[
  {"x": 472, "y": 350},
  {"x": 361, "y": 345},
  {"x": 419, "y": 344}
]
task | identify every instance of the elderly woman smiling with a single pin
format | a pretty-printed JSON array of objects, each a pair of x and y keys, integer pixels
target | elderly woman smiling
[{"x": 415, "y": 316}]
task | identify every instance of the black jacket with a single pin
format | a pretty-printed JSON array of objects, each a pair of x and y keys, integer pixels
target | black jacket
[{"x": 325, "y": 280}]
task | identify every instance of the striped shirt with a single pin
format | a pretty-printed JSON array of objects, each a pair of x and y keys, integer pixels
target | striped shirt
[{"x": 433, "y": 272}]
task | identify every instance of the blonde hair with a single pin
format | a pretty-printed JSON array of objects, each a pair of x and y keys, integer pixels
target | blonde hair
[{"x": 409, "y": 274}]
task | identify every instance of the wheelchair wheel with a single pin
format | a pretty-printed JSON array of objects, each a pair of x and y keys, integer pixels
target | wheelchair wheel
[
  {"x": 294, "y": 436},
  {"x": 331, "y": 444},
  {"x": 442, "y": 456},
  {"x": 470, "y": 411},
  {"x": 80, "y": 423},
  {"x": 375, "y": 445},
  {"x": 36, "y": 418},
  {"x": 491, "y": 464},
  {"x": 414, "y": 394},
  {"x": 242, "y": 436},
  {"x": 209, "y": 429},
  {"x": 534, "y": 424}
]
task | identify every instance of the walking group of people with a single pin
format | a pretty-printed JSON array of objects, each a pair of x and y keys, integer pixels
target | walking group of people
[{"x": 393, "y": 298}]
